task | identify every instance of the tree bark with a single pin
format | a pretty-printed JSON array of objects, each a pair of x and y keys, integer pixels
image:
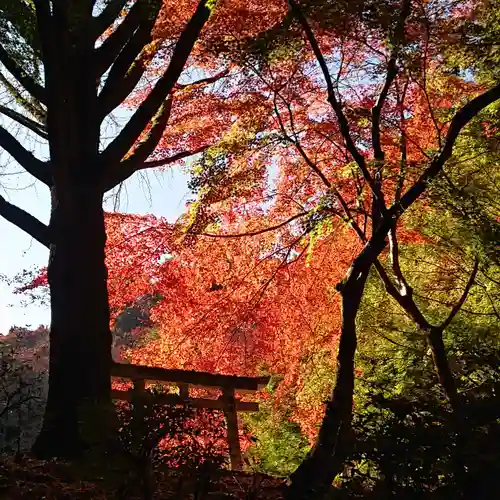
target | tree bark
[
  {"x": 80, "y": 337},
  {"x": 79, "y": 397},
  {"x": 445, "y": 376},
  {"x": 315, "y": 475}
]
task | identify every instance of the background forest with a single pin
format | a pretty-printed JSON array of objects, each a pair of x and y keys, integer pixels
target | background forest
[{"x": 341, "y": 236}]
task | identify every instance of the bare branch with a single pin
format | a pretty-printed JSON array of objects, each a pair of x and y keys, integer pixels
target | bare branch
[
  {"x": 126, "y": 71},
  {"x": 123, "y": 173},
  {"x": 142, "y": 151},
  {"x": 31, "y": 105},
  {"x": 25, "y": 221},
  {"x": 141, "y": 17},
  {"x": 37, "y": 168},
  {"x": 254, "y": 233},
  {"x": 30, "y": 85},
  {"x": 32, "y": 125},
  {"x": 456, "y": 308},
  {"x": 120, "y": 146},
  {"x": 46, "y": 28},
  {"x": 107, "y": 17}
]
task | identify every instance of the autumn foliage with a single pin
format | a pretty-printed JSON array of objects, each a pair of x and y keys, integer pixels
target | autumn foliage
[
  {"x": 274, "y": 165},
  {"x": 322, "y": 131}
]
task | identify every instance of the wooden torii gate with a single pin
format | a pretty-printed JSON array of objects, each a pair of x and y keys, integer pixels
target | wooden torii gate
[{"x": 227, "y": 402}]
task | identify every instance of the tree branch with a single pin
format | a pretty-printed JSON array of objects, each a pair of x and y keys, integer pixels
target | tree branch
[
  {"x": 299, "y": 147},
  {"x": 404, "y": 287},
  {"x": 31, "y": 105},
  {"x": 142, "y": 13},
  {"x": 126, "y": 71},
  {"x": 433, "y": 336},
  {"x": 392, "y": 72},
  {"x": 107, "y": 17},
  {"x": 37, "y": 168},
  {"x": 25, "y": 221},
  {"x": 119, "y": 147},
  {"x": 406, "y": 302},
  {"x": 32, "y": 125},
  {"x": 378, "y": 202},
  {"x": 22, "y": 16},
  {"x": 404, "y": 295},
  {"x": 143, "y": 150},
  {"x": 377, "y": 242},
  {"x": 378, "y": 152},
  {"x": 337, "y": 107},
  {"x": 254, "y": 233},
  {"x": 171, "y": 159},
  {"x": 30, "y": 85},
  {"x": 402, "y": 145},
  {"x": 456, "y": 308},
  {"x": 202, "y": 81},
  {"x": 45, "y": 24},
  {"x": 404, "y": 299},
  {"x": 125, "y": 171},
  {"x": 459, "y": 121}
]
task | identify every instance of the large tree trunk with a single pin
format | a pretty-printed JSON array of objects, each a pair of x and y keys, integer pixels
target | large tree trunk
[
  {"x": 79, "y": 397},
  {"x": 80, "y": 337},
  {"x": 315, "y": 475}
]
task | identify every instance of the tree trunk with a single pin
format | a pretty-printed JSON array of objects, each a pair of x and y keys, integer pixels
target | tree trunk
[
  {"x": 458, "y": 422},
  {"x": 80, "y": 339},
  {"x": 79, "y": 398},
  {"x": 442, "y": 366},
  {"x": 315, "y": 475}
]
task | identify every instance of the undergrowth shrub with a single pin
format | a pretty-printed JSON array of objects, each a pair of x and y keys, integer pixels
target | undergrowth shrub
[
  {"x": 21, "y": 401},
  {"x": 163, "y": 439}
]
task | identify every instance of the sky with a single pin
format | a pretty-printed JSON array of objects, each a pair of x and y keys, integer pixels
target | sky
[{"x": 164, "y": 195}]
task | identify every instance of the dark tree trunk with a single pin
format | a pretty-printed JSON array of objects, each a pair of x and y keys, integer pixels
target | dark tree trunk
[
  {"x": 79, "y": 398},
  {"x": 80, "y": 338},
  {"x": 458, "y": 422},
  {"x": 315, "y": 475},
  {"x": 442, "y": 366}
]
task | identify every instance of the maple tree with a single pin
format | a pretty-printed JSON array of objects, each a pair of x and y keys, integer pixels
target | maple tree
[
  {"x": 365, "y": 156},
  {"x": 243, "y": 219}
]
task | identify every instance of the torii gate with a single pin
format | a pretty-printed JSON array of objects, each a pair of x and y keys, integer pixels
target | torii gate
[{"x": 228, "y": 402}]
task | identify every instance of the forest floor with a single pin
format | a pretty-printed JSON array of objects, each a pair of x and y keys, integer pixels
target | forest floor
[{"x": 26, "y": 478}]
